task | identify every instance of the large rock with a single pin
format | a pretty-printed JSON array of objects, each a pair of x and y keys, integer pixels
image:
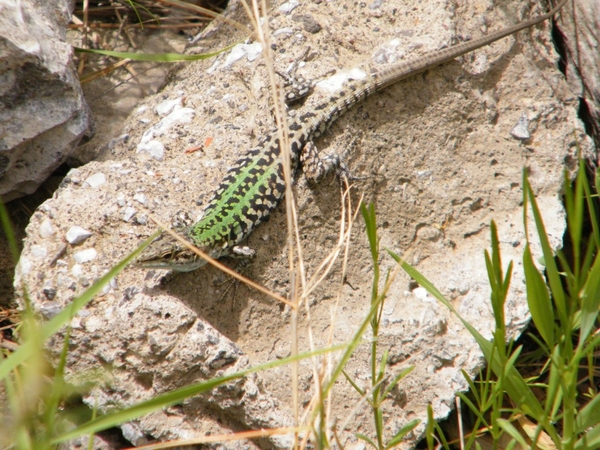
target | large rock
[
  {"x": 580, "y": 42},
  {"x": 43, "y": 114},
  {"x": 436, "y": 155}
]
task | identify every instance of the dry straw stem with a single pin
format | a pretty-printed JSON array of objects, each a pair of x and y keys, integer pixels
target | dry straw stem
[
  {"x": 262, "y": 31},
  {"x": 244, "y": 435},
  {"x": 298, "y": 274},
  {"x": 104, "y": 72},
  {"x": 221, "y": 266},
  {"x": 322, "y": 373},
  {"x": 209, "y": 13}
]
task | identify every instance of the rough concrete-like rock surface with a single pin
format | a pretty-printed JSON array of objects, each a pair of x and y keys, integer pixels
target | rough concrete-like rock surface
[
  {"x": 43, "y": 114},
  {"x": 581, "y": 41},
  {"x": 435, "y": 154}
]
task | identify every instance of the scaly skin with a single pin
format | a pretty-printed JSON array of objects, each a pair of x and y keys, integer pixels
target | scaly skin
[{"x": 255, "y": 185}]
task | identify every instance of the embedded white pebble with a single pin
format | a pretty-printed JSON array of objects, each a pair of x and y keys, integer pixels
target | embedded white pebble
[
  {"x": 129, "y": 213},
  {"x": 250, "y": 51},
  {"x": 87, "y": 255},
  {"x": 38, "y": 251},
  {"x": 50, "y": 309},
  {"x": 140, "y": 198},
  {"x": 46, "y": 229},
  {"x": 288, "y": 7},
  {"x": 521, "y": 129},
  {"x": 142, "y": 219},
  {"x": 96, "y": 180},
  {"x": 112, "y": 285},
  {"x": 77, "y": 270},
  {"x": 74, "y": 175},
  {"x": 283, "y": 31},
  {"x": 141, "y": 109},
  {"x": 93, "y": 324},
  {"x": 77, "y": 235},
  {"x": 164, "y": 108},
  {"x": 62, "y": 281},
  {"x": 154, "y": 148},
  {"x": 24, "y": 266}
]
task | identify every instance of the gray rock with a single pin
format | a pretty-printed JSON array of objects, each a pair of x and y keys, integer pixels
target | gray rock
[
  {"x": 580, "y": 43},
  {"x": 43, "y": 115}
]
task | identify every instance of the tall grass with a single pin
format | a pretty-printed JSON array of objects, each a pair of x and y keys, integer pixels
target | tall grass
[{"x": 563, "y": 299}]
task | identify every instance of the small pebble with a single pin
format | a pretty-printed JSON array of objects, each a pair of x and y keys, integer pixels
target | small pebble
[
  {"x": 77, "y": 235},
  {"x": 288, "y": 7},
  {"x": 46, "y": 229},
  {"x": 87, "y": 255},
  {"x": 50, "y": 309},
  {"x": 166, "y": 107},
  {"x": 140, "y": 198},
  {"x": 129, "y": 213},
  {"x": 38, "y": 251},
  {"x": 49, "y": 290},
  {"x": 521, "y": 129},
  {"x": 96, "y": 180},
  {"x": 77, "y": 270},
  {"x": 154, "y": 148}
]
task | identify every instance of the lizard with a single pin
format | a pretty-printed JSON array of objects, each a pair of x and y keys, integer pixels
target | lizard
[{"x": 255, "y": 185}]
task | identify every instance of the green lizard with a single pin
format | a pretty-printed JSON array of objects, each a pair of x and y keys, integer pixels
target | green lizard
[{"x": 254, "y": 187}]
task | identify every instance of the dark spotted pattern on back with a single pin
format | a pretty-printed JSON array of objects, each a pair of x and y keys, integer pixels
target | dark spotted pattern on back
[{"x": 254, "y": 187}]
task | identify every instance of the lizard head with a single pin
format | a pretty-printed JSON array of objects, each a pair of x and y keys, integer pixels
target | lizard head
[{"x": 166, "y": 252}]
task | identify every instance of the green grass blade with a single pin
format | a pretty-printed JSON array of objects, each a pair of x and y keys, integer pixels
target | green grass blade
[
  {"x": 396, "y": 379},
  {"x": 574, "y": 207},
  {"x": 553, "y": 390},
  {"x": 516, "y": 387},
  {"x": 474, "y": 408},
  {"x": 175, "y": 397},
  {"x": 589, "y": 415},
  {"x": 403, "y": 432},
  {"x": 155, "y": 57},
  {"x": 8, "y": 231},
  {"x": 146, "y": 407},
  {"x": 590, "y": 302},
  {"x": 552, "y": 272},
  {"x": 590, "y": 440},
  {"x": 430, "y": 428},
  {"x": 512, "y": 431},
  {"x": 353, "y": 384},
  {"x": 368, "y": 213},
  {"x": 365, "y": 438},
  {"x": 595, "y": 234},
  {"x": 538, "y": 299}
]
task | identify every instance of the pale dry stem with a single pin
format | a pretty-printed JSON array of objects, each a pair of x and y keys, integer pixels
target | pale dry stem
[
  {"x": 297, "y": 274},
  {"x": 217, "y": 438},
  {"x": 262, "y": 30},
  {"x": 209, "y": 13},
  {"x": 221, "y": 266}
]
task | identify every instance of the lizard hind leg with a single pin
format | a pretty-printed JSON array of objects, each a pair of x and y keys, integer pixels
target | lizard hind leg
[{"x": 316, "y": 168}]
